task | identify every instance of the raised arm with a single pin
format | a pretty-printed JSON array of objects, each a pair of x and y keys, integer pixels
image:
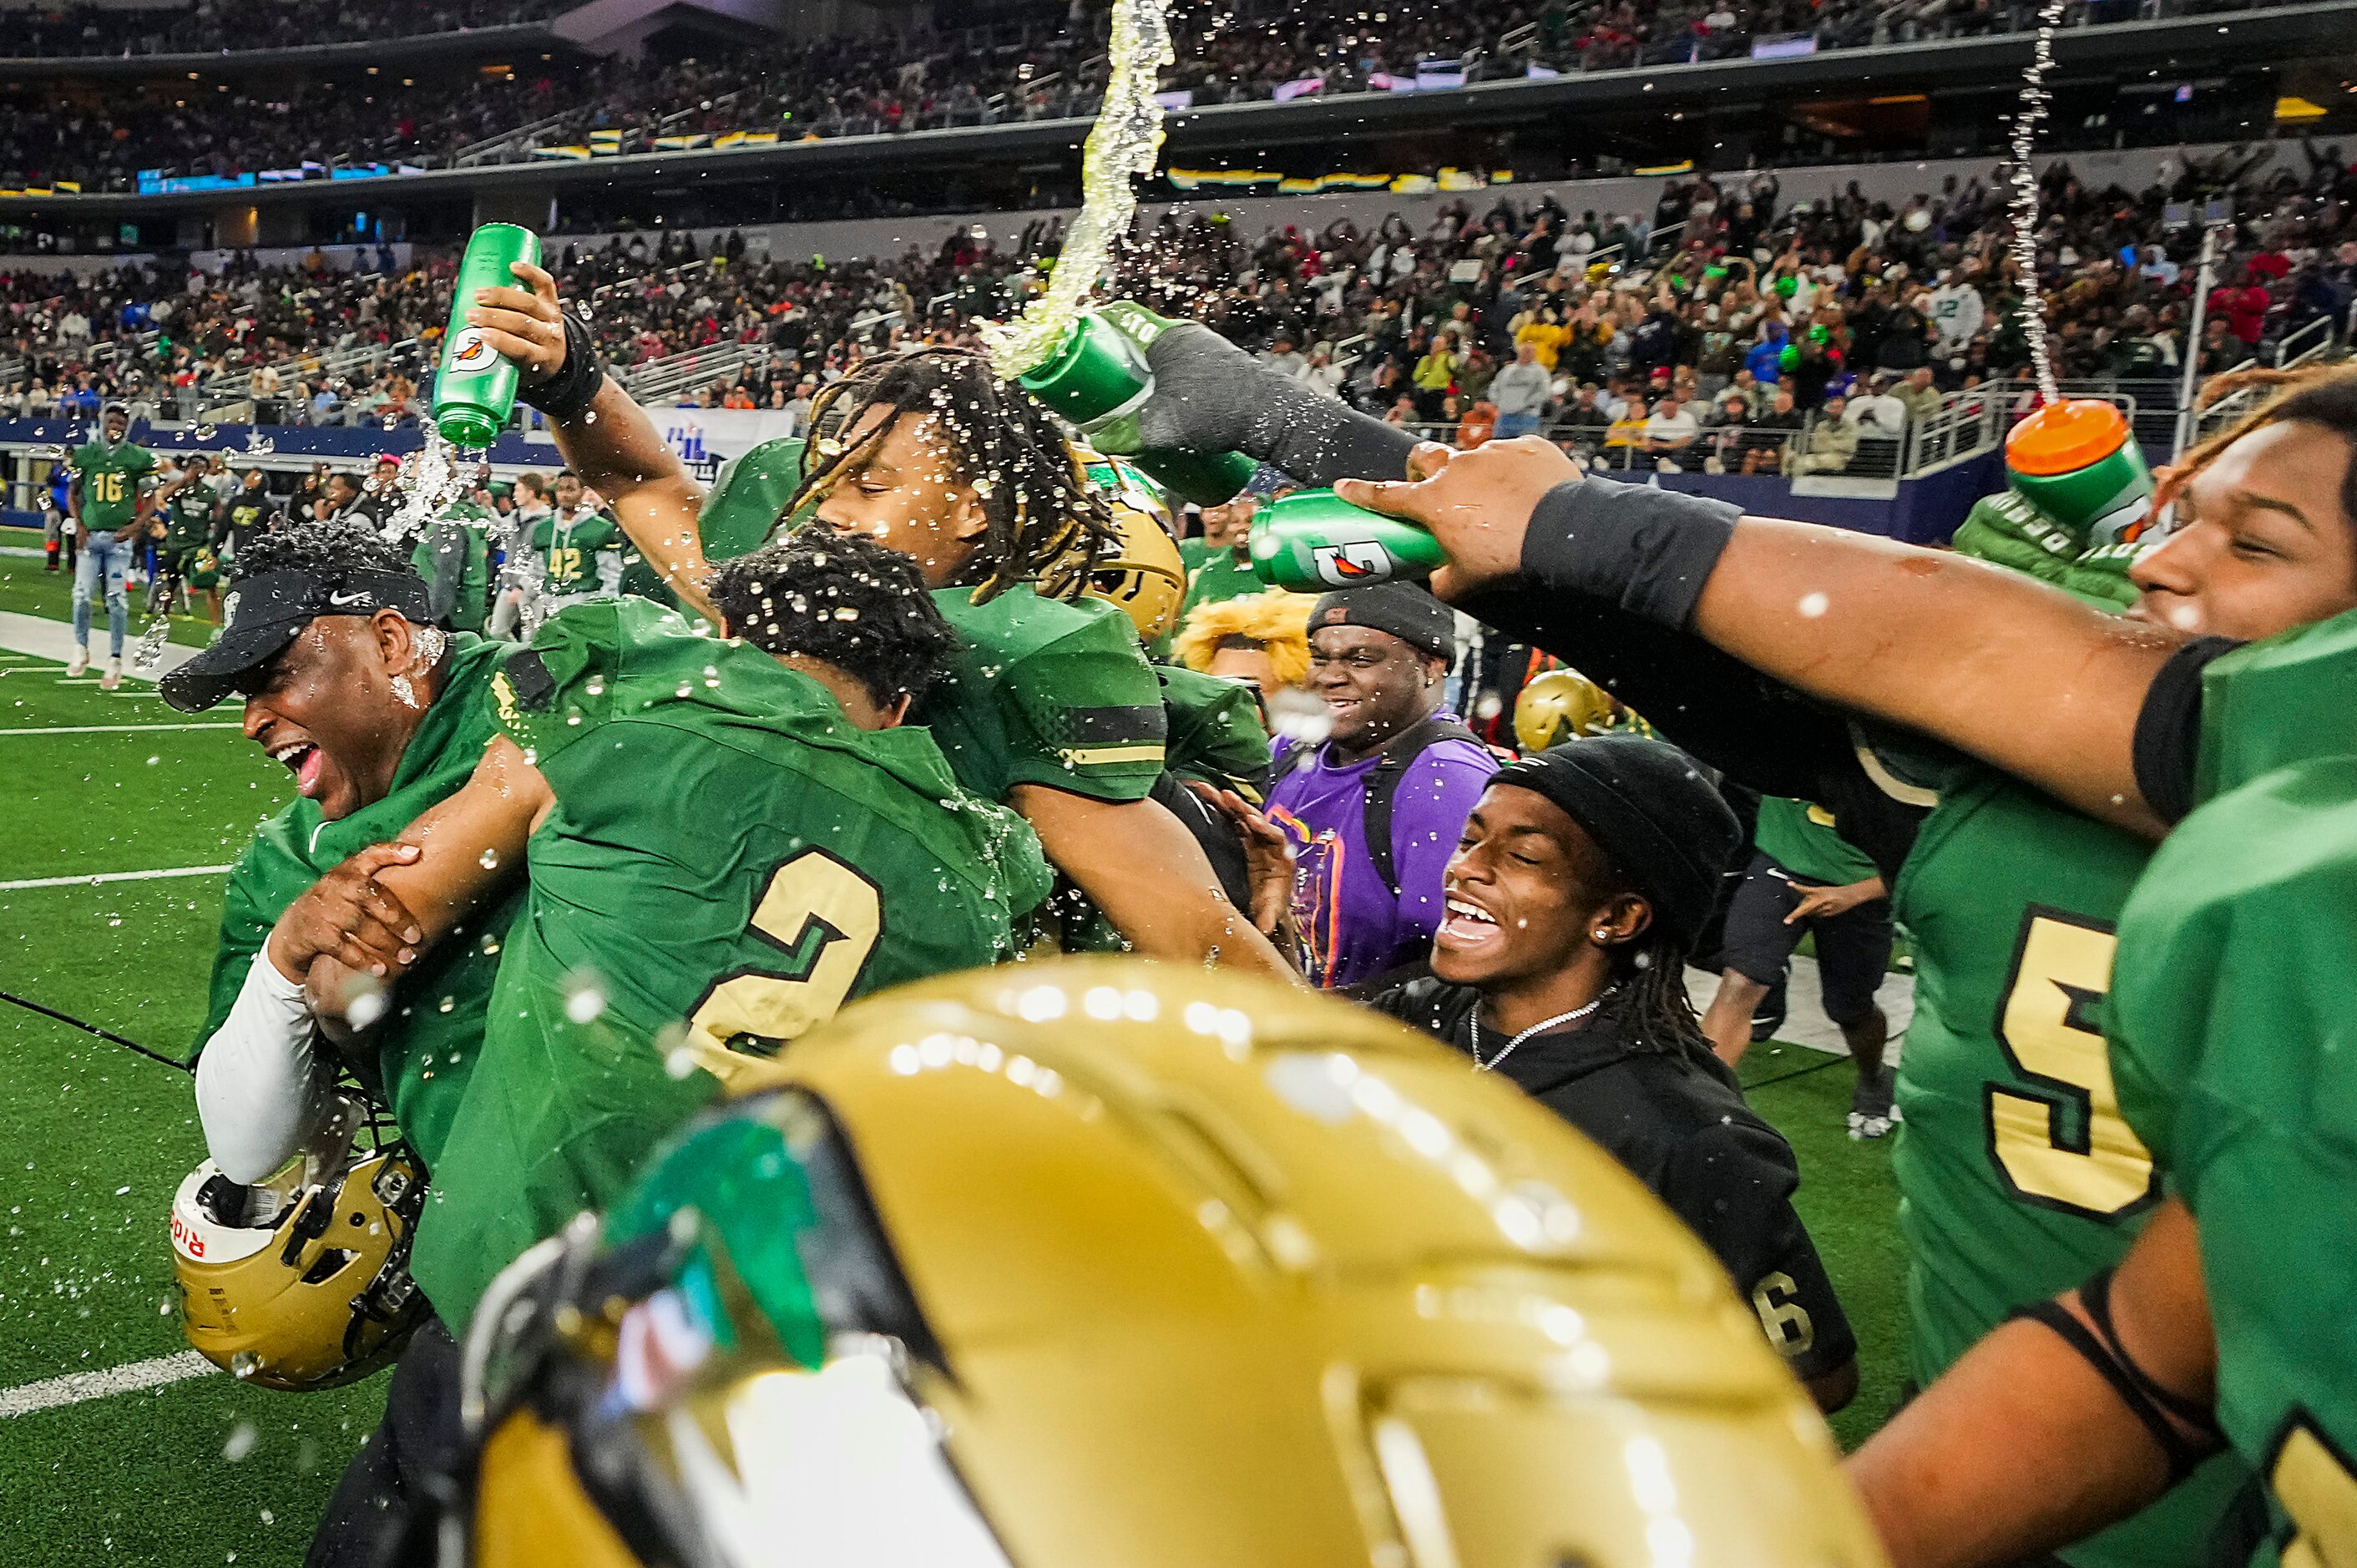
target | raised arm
[
  {"x": 1996, "y": 664},
  {"x": 606, "y": 436}
]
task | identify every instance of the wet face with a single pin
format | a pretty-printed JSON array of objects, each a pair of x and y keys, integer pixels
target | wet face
[
  {"x": 326, "y": 709},
  {"x": 2261, "y": 543},
  {"x": 905, "y": 491},
  {"x": 1374, "y": 684},
  {"x": 1525, "y": 891}
]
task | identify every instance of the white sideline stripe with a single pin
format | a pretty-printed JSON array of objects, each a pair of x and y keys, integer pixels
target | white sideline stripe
[
  {"x": 109, "y": 729},
  {"x": 53, "y": 640},
  {"x": 97, "y": 876},
  {"x": 79, "y": 1387}
]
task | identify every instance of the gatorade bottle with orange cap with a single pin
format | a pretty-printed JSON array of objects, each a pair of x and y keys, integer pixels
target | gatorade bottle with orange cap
[{"x": 2078, "y": 462}]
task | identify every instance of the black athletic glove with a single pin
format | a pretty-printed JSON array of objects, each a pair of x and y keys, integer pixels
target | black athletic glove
[
  {"x": 567, "y": 394},
  {"x": 1211, "y": 396}
]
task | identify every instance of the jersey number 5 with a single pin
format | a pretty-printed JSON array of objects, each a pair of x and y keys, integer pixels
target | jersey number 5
[
  {"x": 2067, "y": 1149},
  {"x": 823, "y": 918}
]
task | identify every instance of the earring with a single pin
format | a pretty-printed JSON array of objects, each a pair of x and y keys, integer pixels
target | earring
[{"x": 1603, "y": 934}]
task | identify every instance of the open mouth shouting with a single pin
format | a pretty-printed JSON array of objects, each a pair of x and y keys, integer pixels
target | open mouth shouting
[{"x": 305, "y": 761}]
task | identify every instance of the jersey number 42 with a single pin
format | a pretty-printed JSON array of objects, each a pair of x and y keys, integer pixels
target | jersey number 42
[{"x": 2066, "y": 1147}]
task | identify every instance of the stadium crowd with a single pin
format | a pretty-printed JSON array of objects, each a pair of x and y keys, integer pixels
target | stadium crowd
[
  {"x": 912, "y": 79},
  {"x": 1717, "y": 330},
  {"x": 209, "y": 27}
]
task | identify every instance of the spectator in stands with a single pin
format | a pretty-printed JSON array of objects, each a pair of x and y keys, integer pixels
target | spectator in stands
[
  {"x": 1284, "y": 358},
  {"x": 1670, "y": 430},
  {"x": 1522, "y": 391},
  {"x": 1831, "y": 443}
]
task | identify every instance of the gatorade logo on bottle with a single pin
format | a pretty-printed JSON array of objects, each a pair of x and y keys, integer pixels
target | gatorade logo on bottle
[
  {"x": 470, "y": 352},
  {"x": 1353, "y": 564}
]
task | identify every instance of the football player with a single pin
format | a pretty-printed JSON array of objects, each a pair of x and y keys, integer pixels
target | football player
[
  {"x": 2018, "y": 1175},
  {"x": 1049, "y": 707},
  {"x": 721, "y": 841},
  {"x": 107, "y": 502},
  {"x": 188, "y": 535}
]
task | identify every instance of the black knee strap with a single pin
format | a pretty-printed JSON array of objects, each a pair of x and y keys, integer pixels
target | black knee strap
[{"x": 2164, "y": 1413}]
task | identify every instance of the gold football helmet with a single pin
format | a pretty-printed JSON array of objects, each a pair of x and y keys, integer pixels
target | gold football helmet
[
  {"x": 1145, "y": 578},
  {"x": 301, "y": 1282},
  {"x": 1108, "y": 1262},
  {"x": 1560, "y": 706}
]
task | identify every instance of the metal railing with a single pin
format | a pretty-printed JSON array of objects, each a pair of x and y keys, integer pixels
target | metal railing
[
  {"x": 2309, "y": 343},
  {"x": 491, "y": 149},
  {"x": 667, "y": 377}
]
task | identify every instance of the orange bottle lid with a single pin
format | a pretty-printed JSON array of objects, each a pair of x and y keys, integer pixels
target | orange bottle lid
[{"x": 2062, "y": 436}]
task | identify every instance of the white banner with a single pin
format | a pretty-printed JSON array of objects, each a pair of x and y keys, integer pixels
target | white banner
[{"x": 707, "y": 437}]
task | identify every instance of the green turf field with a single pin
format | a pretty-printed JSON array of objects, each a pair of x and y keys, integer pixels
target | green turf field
[{"x": 205, "y": 1469}]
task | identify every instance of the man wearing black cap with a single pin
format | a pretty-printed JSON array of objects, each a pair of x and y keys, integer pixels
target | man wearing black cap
[
  {"x": 379, "y": 716},
  {"x": 1374, "y": 809},
  {"x": 1584, "y": 875}
]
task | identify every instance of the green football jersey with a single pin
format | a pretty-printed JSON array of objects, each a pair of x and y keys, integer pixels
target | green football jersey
[
  {"x": 188, "y": 519},
  {"x": 1045, "y": 692},
  {"x": 1222, "y": 574},
  {"x": 425, "y": 1045},
  {"x": 2017, "y": 1178},
  {"x": 1800, "y": 837},
  {"x": 569, "y": 551},
  {"x": 1215, "y": 731},
  {"x": 2271, "y": 703},
  {"x": 461, "y": 531},
  {"x": 110, "y": 482},
  {"x": 748, "y": 498},
  {"x": 2232, "y": 1021},
  {"x": 728, "y": 860}
]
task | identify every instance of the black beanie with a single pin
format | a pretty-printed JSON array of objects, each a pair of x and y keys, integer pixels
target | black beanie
[
  {"x": 1648, "y": 806},
  {"x": 1402, "y": 609}
]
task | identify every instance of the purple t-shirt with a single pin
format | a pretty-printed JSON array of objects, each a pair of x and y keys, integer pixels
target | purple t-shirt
[{"x": 1355, "y": 928}]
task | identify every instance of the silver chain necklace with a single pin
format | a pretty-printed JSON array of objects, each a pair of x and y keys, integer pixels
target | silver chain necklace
[{"x": 1573, "y": 1016}]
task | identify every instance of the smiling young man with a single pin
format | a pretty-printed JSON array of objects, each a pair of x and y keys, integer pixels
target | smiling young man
[
  {"x": 1373, "y": 810},
  {"x": 1573, "y": 898},
  {"x": 108, "y": 500}
]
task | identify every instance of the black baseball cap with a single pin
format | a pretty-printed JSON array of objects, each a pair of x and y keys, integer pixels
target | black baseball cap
[
  {"x": 1649, "y": 806},
  {"x": 261, "y": 615},
  {"x": 1402, "y": 609}
]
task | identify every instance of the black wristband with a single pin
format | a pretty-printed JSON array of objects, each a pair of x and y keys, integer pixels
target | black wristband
[
  {"x": 1648, "y": 551},
  {"x": 567, "y": 394}
]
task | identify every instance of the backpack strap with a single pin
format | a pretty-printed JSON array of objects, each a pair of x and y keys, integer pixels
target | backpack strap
[{"x": 1383, "y": 787}]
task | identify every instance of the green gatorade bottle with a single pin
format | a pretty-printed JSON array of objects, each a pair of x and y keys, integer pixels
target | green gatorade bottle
[{"x": 474, "y": 386}]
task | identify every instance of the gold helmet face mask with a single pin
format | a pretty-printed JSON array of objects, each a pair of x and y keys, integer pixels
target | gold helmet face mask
[
  {"x": 1183, "y": 1268},
  {"x": 302, "y": 1282},
  {"x": 1145, "y": 577}
]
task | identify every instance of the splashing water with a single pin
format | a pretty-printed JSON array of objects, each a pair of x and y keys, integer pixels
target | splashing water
[
  {"x": 150, "y": 650},
  {"x": 1122, "y": 147},
  {"x": 2026, "y": 118},
  {"x": 430, "y": 481}
]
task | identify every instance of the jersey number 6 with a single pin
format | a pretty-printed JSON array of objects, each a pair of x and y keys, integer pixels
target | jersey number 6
[
  {"x": 2067, "y": 1148},
  {"x": 823, "y": 918}
]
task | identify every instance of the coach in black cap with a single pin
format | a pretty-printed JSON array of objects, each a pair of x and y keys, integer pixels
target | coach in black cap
[{"x": 1583, "y": 877}]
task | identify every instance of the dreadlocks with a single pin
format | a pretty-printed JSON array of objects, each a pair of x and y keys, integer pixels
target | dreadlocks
[
  {"x": 1040, "y": 508},
  {"x": 2323, "y": 396},
  {"x": 1648, "y": 1001}
]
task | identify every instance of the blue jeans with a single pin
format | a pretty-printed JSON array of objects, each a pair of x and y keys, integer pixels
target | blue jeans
[
  {"x": 1513, "y": 424},
  {"x": 102, "y": 552}
]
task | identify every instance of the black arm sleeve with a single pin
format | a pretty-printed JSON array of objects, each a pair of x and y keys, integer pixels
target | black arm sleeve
[
  {"x": 1733, "y": 1185},
  {"x": 2169, "y": 729}
]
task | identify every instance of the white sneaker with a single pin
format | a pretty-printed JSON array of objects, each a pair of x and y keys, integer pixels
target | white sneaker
[
  {"x": 113, "y": 676},
  {"x": 78, "y": 663}
]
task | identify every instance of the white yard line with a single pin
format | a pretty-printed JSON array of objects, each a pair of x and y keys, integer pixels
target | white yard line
[
  {"x": 77, "y": 1388},
  {"x": 109, "y": 729},
  {"x": 93, "y": 878},
  {"x": 53, "y": 640}
]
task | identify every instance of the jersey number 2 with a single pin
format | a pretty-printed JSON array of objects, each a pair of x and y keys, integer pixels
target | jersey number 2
[
  {"x": 823, "y": 918},
  {"x": 2067, "y": 1149}
]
